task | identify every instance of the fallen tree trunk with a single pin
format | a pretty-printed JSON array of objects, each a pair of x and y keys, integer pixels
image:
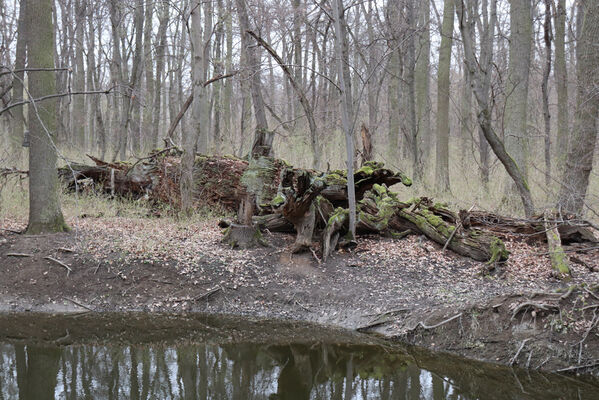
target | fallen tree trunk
[{"x": 313, "y": 204}]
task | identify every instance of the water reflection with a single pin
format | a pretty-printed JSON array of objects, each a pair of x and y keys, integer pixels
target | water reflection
[
  {"x": 218, "y": 367},
  {"x": 240, "y": 371}
]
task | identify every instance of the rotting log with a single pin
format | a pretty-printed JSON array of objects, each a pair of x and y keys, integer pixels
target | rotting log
[
  {"x": 380, "y": 211},
  {"x": 313, "y": 204},
  {"x": 559, "y": 260}
]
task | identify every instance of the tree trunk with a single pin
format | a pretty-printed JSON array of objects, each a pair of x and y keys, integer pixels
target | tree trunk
[
  {"x": 190, "y": 138},
  {"x": 78, "y": 107},
  {"x": 410, "y": 92},
  {"x": 547, "y": 38},
  {"x": 423, "y": 106},
  {"x": 45, "y": 214},
  {"x": 479, "y": 73},
  {"x": 16, "y": 137},
  {"x": 263, "y": 138},
  {"x": 442, "y": 164},
  {"x": 342, "y": 55},
  {"x": 516, "y": 106},
  {"x": 561, "y": 82},
  {"x": 157, "y": 83},
  {"x": 579, "y": 161}
]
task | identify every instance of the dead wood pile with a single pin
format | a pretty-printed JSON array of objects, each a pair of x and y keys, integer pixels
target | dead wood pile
[{"x": 313, "y": 204}]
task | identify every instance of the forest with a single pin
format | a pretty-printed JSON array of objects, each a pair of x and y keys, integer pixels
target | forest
[{"x": 421, "y": 143}]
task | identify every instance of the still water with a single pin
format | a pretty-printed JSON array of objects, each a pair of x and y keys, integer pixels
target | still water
[{"x": 199, "y": 357}]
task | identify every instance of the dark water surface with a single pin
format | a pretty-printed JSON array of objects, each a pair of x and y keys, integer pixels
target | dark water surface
[{"x": 137, "y": 356}]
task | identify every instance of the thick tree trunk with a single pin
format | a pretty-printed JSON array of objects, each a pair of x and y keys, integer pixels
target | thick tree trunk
[
  {"x": 579, "y": 161},
  {"x": 45, "y": 214},
  {"x": 190, "y": 138},
  {"x": 516, "y": 106},
  {"x": 478, "y": 75}
]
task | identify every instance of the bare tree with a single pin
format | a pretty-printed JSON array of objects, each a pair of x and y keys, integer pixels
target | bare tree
[
  {"x": 579, "y": 161},
  {"x": 45, "y": 214}
]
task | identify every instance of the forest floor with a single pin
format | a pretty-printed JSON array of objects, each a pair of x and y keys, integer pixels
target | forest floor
[{"x": 405, "y": 289}]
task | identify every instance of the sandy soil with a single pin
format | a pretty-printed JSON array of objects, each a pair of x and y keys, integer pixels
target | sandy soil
[{"x": 406, "y": 289}]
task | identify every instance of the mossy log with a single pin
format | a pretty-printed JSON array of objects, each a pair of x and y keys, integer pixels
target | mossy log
[
  {"x": 380, "y": 211},
  {"x": 314, "y": 204}
]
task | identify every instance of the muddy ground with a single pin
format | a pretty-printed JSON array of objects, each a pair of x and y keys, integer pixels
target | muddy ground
[{"x": 406, "y": 289}]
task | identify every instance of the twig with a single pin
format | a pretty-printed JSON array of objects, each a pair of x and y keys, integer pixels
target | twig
[
  {"x": 302, "y": 306},
  {"x": 589, "y": 307},
  {"x": 10, "y": 230},
  {"x": 18, "y": 255},
  {"x": 591, "y": 293},
  {"x": 52, "y": 96},
  {"x": 208, "y": 294},
  {"x": 574, "y": 368},
  {"x": 513, "y": 360},
  {"x": 540, "y": 306},
  {"x": 543, "y": 363},
  {"x": 97, "y": 268},
  {"x": 79, "y": 304},
  {"x": 315, "y": 256},
  {"x": 65, "y": 250},
  {"x": 568, "y": 293},
  {"x": 528, "y": 361},
  {"x": 424, "y": 326},
  {"x": 69, "y": 270}
]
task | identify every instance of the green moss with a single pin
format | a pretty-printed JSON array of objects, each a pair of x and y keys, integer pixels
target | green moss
[
  {"x": 339, "y": 215},
  {"x": 405, "y": 179},
  {"x": 58, "y": 224},
  {"x": 258, "y": 178},
  {"x": 400, "y": 235},
  {"x": 277, "y": 200},
  {"x": 366, "y": 170},
  {"x": 336, "y": 177},
  {"x": 559, "y": 260},
  {"x": 498, "y": 251}
]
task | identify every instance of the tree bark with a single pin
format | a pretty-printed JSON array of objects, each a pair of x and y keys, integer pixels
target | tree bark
[
  {"x": 478, "y": 75},
  {"x": 190, "y": 138},
  {"x": 16, "y": 137},
  {"x": 423, "y": 104},
  {"x": 561, "y": 82},
  {"x": 263, "y": 138},
  {"x": 516, "y": 106},
  {"x": 547, "y": 39},
  {"x": 442, "y": 164},
  {"x": 342, "y": 54},
  {"x": 45, "y": 214},
  {"x": 579, "y": 161}
]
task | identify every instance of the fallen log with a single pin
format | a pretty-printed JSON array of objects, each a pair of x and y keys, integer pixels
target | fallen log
[{"x": 313, "y": 204}]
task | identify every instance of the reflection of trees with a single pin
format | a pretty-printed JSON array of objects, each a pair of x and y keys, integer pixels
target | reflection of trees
[
  {"x": 250, "y": 371},
  {"x": 40, "y": 372}
]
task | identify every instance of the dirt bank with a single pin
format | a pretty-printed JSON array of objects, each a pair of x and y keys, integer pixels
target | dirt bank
[{"x": 406, "y": 289}]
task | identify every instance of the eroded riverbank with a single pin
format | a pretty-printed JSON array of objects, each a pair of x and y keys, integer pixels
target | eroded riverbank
[{"x": 407, "y": 290}]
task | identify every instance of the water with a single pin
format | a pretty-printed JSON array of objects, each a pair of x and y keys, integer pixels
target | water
[{"x": 137, "y": 356}]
